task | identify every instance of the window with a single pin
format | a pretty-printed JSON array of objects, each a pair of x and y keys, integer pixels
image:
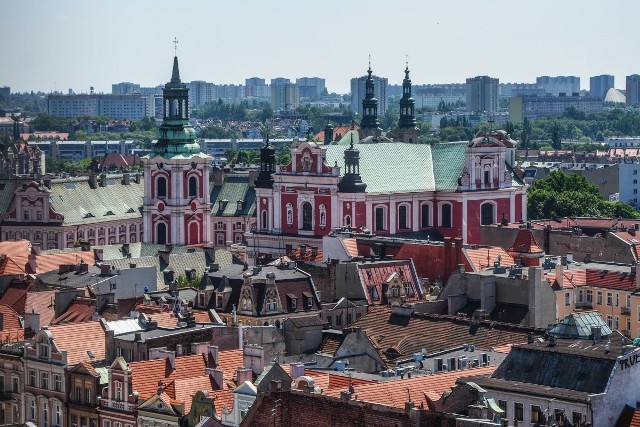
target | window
[
  {"x": 617, "y": 300},
  {"x": 599, "y": 299},
  {"x": 323, "y": 215},
  {"x": 57, "y": 414},
  {"x": 43, "y": 351},
  {"x": 536, "y": 414},
  {"x": 264, "y": 223},
  {"x": 32, "y": 377},
  {"x": 610, "y": 322},
  {"x": 25, "y": 215},
  {"x": 577, "y": 416},
  {"x": 567, "y": 298},
  {"x": 380, "y": 218},
  {"x": 445, "y": 215},
  {"x": 15, "y": 384},
  {"x": 628, "y": 300},
  {"x": 106, "y": 423},
  {"x": 395, "y": 291},
  {"x": 339, "y": 320},
  {"x": 78, "y": 393},
  {"x": 487, "y": 177},
  {"x": 403, "y": 220},
  {"x": 502, "y": 404},
  {"x": 193, "y": 186},
  {"x": 580, "y": 296},
  {"x": 616, "y": 323},
  {"x": 32, "y": 409},
  {"x": 161, "y": 233},
  {"x": 45, "y": 413},
  {"x": 44, "y": 380},
  {"x": 424, "y": 215},
  {"x": 329, "y": 320},
  {"x": 38, "y": 215},
  {"x": 486, "y": 214},
  {"x": 220, "y": 239},
  {"x": 307, "y": 216},
  {"x": 161, "y": 187},
  {"x": 118, "y": 390},
  {"x": 609, "y": 298},
  {"x": 518, "y": 410},
  {"x": 294, "y": 303},
  {"x": 219, "y": 300},
  {"x": 589, "y": 296},
  {"x": 57, "y": 382},
  {"x": 374, "y": 294}
]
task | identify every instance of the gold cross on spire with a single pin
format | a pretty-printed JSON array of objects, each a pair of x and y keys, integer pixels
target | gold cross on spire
[
  {"x": 175, "y": 46},
  {"x": 406, "y": 59},
  {"x": 369, "y": 60}
]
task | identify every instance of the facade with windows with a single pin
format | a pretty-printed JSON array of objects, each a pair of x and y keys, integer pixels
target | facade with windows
[
  {"x": 389, "y": 189},
  {"x": 82, "y": 401},
  {"x": 57, "y": 213},
  {"x": 118, "y": 402},
  {"x": 233, "y": 208},
  {"x": 44, "y": 388},
  {"x": 11, "y": 384}
]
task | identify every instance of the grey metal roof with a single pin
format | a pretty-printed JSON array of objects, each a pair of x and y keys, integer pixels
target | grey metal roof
[
  {"x": 124, "y": 326},
  {"x": 235, "y": 188},
  {"x": 160, "y": 332}
]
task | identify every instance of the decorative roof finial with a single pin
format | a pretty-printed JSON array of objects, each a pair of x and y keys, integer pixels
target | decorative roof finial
[
  {"x": 369, "y": 70},
  {"x": 175, "y": 46},
  {"x": 351, "y": 145}
]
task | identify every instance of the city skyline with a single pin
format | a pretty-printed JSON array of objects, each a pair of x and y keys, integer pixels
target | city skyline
[{"x": 66, "y": 45}]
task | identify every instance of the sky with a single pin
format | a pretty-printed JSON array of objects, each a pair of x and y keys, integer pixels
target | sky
[{"x": 48, "y": 45}]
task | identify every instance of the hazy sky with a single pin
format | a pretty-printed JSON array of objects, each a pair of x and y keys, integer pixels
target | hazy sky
[{"x": 76, "y": 44}]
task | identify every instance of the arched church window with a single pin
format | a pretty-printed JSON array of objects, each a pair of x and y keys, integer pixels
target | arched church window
[
  {"x": 161, "y": 233},
  {"x": 424, "y": 215},
  {"x": 487, "y": 214},
  {"x": 264, "y": 223},
  {"x": 380, "y": 218},
  {"x": 161, "y": 187},
  {"x": 307, "y": 216},
  {"x": 403, "y": 220},
  {"x": 347, "y": 221},
  {"x": 445, "y": 215},
  {"x": 193, "y": 186}
]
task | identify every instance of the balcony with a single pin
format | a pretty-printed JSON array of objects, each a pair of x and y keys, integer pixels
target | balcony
[
  {"x": 118, "y": 406},
  {"x": 625, "y": 311},
  {"x": 584, "y": 305}
]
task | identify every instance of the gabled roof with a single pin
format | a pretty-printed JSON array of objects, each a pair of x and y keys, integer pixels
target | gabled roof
[
  {"x": 80, "y": 310},
  {"x": 78, "y": 339},
  {"x": 525, "y": 243},
  {"x": 236, "y": 187},
  {"x": 479, "y": 258},
  {"x": 12, "y": 325},
  {"x": 379, "y": 273},
  {"x": 397, "y": 393},
  {"x": 396, "y": 337}
]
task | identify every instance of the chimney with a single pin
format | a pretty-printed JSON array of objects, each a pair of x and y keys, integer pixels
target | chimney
[
  {"x": 32, "y": 321},
  {"x": 244, "y": 374},
  {"x": 126, "y": 178},
  {"x": 98, "y": 254},
  {"x": 199, "y": 347},
  {"x": 93, "y": 180},
  {"x": 105, "y": 268},
  {"x": 253, "y": 356},
  {"x": 210, "y": 252},
  {"x": 560, "y": 275},
  {"x": 457, "y": 251},
  {"x": 213, "y": 355},
  {"x": 297, "y": 370},
  {"x": 32, "y": 264},
  {"x": 137, "y": 336},
  {"x": 170, "y": 356},
  {"x": 218, "y": 377},
  {"x": 345, "y": 395},
  {"x": 164, "y": 256},
  {"x": 103, "y": 180},
  {"x": 125, "y": 249},
  {"x": 179, "y": 351}
]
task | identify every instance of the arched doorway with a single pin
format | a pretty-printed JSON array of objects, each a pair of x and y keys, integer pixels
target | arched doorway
[
  {"x": 161, "y": 233},
  {"x": 307, "y": 216}
]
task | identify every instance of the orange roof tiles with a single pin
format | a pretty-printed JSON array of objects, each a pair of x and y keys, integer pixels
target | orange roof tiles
[
  {"x": 80, "y": 310},
  {"x": 334, "y": 382},
  {"x": 630, "y": 417},
  {"x": 396, "y": 393},
  {"x": 79, "y": 338},
  {"x": 481, "y": 258},
  {"x": 307, "y": 255},
  {"x": 12, "y": 328},
  {"x": 15, "y": 248},
  {"x": 573, "y": 278},
  {"x": 168, "y": 319},
  {"x": 395, "y": 337},
  {"x": 525, "y": 243},
  {"x": 350, "y": 246},
  {"x": 19, "y": 264}
]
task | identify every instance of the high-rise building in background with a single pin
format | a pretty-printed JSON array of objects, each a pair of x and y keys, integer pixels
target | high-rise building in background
[
  {"x": 256, "y": 87},
  {"x": 125, "y": 88},
  {"x": 600, "y": 85},
  {"x": 482, "y": 94},
  {"x": 134, "y": 106},
  {"x": 311, "y": 87},
  {"x": 633, "y": 90},
  {"x": 284, "y": 95},
  {"x": 559, "y": 84},
  {"x": 5, "y": 91},
  {"x": 358, "y": 93},
  {"x": 200, "y": 92}
]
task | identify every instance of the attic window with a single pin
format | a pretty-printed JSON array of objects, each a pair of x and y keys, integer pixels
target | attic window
[
  {"x": 374, "y": 294},
  {"x": 130, "y": 210},
  {"x": 109, "y": 213},
  {"x": 88, "y": 215}
]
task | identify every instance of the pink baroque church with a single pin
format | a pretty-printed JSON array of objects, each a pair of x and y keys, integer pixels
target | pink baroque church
[
  {"x": 176, "y": 207},
  {"x": 399, "y": 188}
]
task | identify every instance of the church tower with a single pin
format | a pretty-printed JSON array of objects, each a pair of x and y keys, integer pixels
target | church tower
[
  {"x": 407, "y": 124},
  {"x": 176, "y": 207},
  {"x": 264, "y": 186},
  {"x": 351, "y": 181},
  {"x": 369, "y": 124}
]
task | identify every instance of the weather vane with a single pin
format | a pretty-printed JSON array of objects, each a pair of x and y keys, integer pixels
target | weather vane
[
  {"x": 175, "y": 46},
  {"x": 369, "y": 60},
  {"x": 406, "y": 59}
]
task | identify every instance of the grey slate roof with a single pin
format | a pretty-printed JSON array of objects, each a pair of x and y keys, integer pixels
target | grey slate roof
[
  {"x": 138, "y": 250},
  {"x": 235, "y": 187},
  {"x": 80, "y": 204},
  {"x": 7, "y": 190}
]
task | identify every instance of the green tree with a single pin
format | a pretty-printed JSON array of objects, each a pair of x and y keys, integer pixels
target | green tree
[{"x": 555, "y": 137}]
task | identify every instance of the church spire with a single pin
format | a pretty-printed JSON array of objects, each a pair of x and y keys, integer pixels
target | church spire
[
  {"x": 267, "y": 165},
  {"x": 407, "y": 122},
  {"x": 352, "y": 181},
  {"x": 369, "y": 123},
  {"x": 175, "y": 75}
]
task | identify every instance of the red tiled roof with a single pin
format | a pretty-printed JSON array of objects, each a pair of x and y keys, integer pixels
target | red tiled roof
[
  {"x": 12, "y": 329},
  {"x": 375, "y": 274},
  {"x": 169, "y": 320},
  {"x": 80, "y": 310},
  {"x": 427, "y": 259},
  {"x": 395, "y": 337},
  {"x": 15, "y": 296},
  {"x": 333, "y": 384},
  {"x": 79, "y": 338},
  {"x": 307, "y": 255},
  {"x": 18, "y": 264},
  {"x": 614, "y": 280},
  {"x": 525, "y": 243},
  {"x": 397, "y": 393},
  {"x": 350, "y": 246},
  {"x": 118, "y": 161},
  {"x": 481, "y": 258},
  {"x": 15, "y": 248},
  {"x": 338, "y": 132},
  {"x": 630, "y": 417}
]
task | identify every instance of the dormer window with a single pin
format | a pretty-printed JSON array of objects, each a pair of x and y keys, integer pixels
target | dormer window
[
  {"x": 395, "y": 291},
  {"x": 374, "y": 294},
  {"x": 294, "y": 303},
  {"x": 118, "y": 386},
  {"x": 43, "y": 351},
  {"x": 219, "y": 300}
]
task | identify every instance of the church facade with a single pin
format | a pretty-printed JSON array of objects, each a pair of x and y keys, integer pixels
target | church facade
[{"x": 388, "y": 188}]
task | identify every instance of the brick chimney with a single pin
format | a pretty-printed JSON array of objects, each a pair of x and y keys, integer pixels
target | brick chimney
[
  {"x": 296, "y": 370},
  {"x": 32, "y": 264},
  {"x": 213, "y": 355},
  {"x": 199, "y": 347},
  {"x": 253, "y": 356},
  {"x": 244, "y": 374},
  {"x": 218, "y": 377}
]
